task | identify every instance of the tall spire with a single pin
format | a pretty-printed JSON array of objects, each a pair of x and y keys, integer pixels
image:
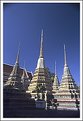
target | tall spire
[
  {"x": 55, "y": 67},
  {"x": 14, "y": 79},
  {"x": 15, "y": 70},
  {"x": 65, "y": 58},
  {"x": 17, "y": 58},
  {"x": 40, "y": 63},
  {"x": 41, "y": 47},
  {"x": 66, "y": 68}
]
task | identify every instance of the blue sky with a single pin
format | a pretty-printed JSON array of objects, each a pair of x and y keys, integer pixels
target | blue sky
[{"x": 22, "y": 23}]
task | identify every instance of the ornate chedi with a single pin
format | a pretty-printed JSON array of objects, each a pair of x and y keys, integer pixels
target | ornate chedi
[
  {"x": 14, "y": 80},
  {"x": 15, "y": 97},
  {"x": 55, "y": 83},
  {"x": 41, "y": 75},
  {"x": 68, "y": 93}
]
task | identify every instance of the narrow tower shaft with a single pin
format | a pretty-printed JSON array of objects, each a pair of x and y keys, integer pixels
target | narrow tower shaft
[
  {"x": 15, "y": 71},
  {"x": 66, "y": 70},
  {"x": 40, "y": 63},
  {"x": 17, "y": 58},
  {"x": 55, "y": 67},
  {"x": 41, "y": 46},
  {"x": 65, "y": 57}
]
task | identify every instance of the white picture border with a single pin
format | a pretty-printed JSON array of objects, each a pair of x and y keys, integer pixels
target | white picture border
[{"x": 76, "y": 119}]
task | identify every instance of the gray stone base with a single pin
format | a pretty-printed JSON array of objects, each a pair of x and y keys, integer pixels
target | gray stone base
[{"x": 70, "y": 104}]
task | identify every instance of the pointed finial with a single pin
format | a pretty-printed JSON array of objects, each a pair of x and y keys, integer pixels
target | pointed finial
[
  {"x": 55, "y": 67},
  {"x": 65, "y": 58},
  {"x": 41, "y": 47},
  {"x": 17, "y": 58}
]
